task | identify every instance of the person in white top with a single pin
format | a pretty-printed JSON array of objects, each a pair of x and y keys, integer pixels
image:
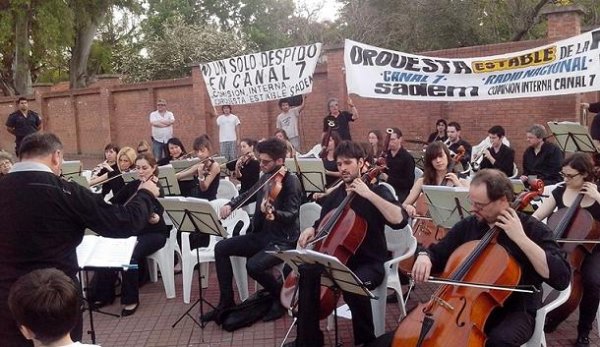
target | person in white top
[
  {"x": 229, "y": 133},
  {"x": 45, "y": 303},
  {"x": 288, "y": 120},
  {"x": 162, "y": 128}
]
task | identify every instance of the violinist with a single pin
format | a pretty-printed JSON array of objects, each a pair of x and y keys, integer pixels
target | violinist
[
  {"x": 149, "y": 240},
  {"x": 177, "y": 152},
  {"x": 455, "y": 141},
  {"x": 440, "y": 134},
  {"x": 528, "y": 240},
  {"x": 498, "y": 156},
  {"x": 437, "y": 165},
  {"x": 541, "y": 158},
  {"x": 246, "y": 168},
  {"x": 577, "y": 172},
  {"x": 400, "y": 172},
  {"x": 377, "y": 206},
  {"x": 114, "y": 180},
  {"x": 281, "y": 202}
]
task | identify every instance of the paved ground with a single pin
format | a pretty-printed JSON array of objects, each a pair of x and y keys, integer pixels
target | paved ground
[{"x": 151, "y": 324}]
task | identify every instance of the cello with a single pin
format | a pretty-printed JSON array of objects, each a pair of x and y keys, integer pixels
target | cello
[
  {"x": 573, "y": 223},
  {"x": 340, "y": 234},
  {"x": 456, "y": 315}
]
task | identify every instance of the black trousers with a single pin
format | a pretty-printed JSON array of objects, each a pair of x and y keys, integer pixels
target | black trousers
[
  {"x": 103, "y": 283},
  {"x": 252, "y": 246},
  {"x": 590, "y": 275},
  {"x": 507, "y": 328}
]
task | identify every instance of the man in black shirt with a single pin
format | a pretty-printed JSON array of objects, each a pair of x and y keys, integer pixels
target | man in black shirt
[
  {"x": 498, "y": 156},
  {"x": 377, "y": 207},
  {"x": 595, "y": 126},
  {"x": 542, "y": 159},
  {"x": 528, "y": 241},
  {"x": 275, "y": 225},
  {"x": 400, "y": 172},
  {"x": 456, "y": 142},
  {"x": 23, "y": 122},
  {"x": 44, "y": 218},
  {"x": 340, "y": 119}
]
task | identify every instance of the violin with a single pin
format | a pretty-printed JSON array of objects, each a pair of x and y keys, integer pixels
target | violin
[
  {"x": 573, "y": 223},
  {"x": 204, "y": 167},
  {"x": 456, "y": 315},
  {"x": 271, "y": 192},
  {"x": 340, "y": 233}
]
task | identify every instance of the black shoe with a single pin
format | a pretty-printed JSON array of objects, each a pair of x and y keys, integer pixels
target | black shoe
[
  {"x": 277, "y": 311},
  {"x": 214, "y": 315},
  {"x": 101, "y": 303},
  {"x": 582, "y": 341},
  {"x": 550, "y": 326},
  {"x": 128, "y": 312}
]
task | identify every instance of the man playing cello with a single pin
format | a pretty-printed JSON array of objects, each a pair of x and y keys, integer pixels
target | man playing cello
[
  {"x": 377, "y": 206},
  {"x": 529, "y": 242}
]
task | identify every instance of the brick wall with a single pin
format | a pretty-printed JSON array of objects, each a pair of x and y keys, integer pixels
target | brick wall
[{"x": 109, "y": 111}]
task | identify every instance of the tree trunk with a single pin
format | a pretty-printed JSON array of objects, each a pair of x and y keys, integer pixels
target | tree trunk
[
  {"x": 84, "y": 37},
  {"x": 21, "y": 70}
]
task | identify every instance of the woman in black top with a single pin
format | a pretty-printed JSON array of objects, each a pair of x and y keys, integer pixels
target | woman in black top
[
  {"x": 246, "y": 169},
  {"x": 177, "y": 152},
  {"x": 440, "y": 134},
  {"x": 331, "y": 171},
  {"x": 149, "y": 240},
  {"x": 125, "y": 163},
  {"x": 578, "y": 174},
  {"x": 376, "y": 141}
]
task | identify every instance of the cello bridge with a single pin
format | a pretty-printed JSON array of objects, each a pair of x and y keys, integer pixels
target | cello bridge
[{"x": 442, "y": 303}]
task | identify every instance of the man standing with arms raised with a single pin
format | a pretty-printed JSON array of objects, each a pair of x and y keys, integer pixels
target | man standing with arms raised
[{"x": 23, "y": 122}]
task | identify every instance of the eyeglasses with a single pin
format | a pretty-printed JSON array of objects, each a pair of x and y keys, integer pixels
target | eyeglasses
[
  {"x": 266, "y": 161},
  {"x": 479, "y": 205},
  {"x": 161, "y": 104},
  {"x": 569, "y": 176},
  {"x": 144, "y": 150}
]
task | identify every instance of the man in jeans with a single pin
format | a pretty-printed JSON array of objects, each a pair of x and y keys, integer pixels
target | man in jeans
[
  {"x": 229, "y": 133},
  {"x": 162, "y": 128}
]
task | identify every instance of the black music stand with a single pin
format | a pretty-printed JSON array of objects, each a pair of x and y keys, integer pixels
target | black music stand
[
  {"x": 168, "y": 181},
  {"x": 447, "y": 205},
  {"x": 70, "y": 168},
  {"x": 194, "y": 216},
  {"x": 97, "y": 252},
  {"x": 310, "y": 171},
  {"x": 572, "y": 137},
  {"x": 334, "y": 275}
]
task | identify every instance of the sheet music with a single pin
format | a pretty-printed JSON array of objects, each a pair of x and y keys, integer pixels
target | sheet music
[{"x": 98, "y": 251}]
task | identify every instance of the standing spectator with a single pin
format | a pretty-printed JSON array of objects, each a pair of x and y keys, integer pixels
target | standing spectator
[
  {"x": 23, "y": 122},
  {"x": 162, "y": 128},
  {"x": 229, "y": 132},
  {"x": 288, "y": 120},
  {"x": 341, "y": 119}
]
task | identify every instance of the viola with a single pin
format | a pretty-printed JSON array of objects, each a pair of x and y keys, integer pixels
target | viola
[
  {"x": 456, "y": 315},
  {"x": 272, "y": 190},
  {"x": 340, "y": 233},
  {"x": 575, "y": 223}
]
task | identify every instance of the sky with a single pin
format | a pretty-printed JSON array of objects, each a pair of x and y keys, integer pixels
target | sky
[{"x": 329, "y": 11}]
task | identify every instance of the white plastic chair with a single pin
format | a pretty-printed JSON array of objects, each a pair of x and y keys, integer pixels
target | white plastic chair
[
  {"x": 402, "y": 244},
  {"x": 226, "y": 190},
  {"x": 418, "y": 173},
  {"x": 312, "y": 153},
  {"x": 539, "y": 338},
  {"x": 389, "y": 186},
  {"x": 515, "y": 173},
  {"x": 309, "y": 213},
  {"x": 164, "y": 259},
  {"x": 206, "y": 254}
]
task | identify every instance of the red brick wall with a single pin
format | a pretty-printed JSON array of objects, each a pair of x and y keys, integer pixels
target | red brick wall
[{"x": 88, "y": 119}]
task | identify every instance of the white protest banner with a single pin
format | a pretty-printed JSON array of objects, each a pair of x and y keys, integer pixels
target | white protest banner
[
  {"x": 263, "y": 76},
  {"x": 565, "y": 67}
]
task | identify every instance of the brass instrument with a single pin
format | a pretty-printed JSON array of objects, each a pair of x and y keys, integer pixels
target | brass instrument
[{"x": 476, "y": 164}]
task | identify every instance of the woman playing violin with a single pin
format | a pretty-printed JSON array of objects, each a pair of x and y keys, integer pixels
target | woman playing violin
[
  {"x": 577, "y": 173},
  {"x": 278, "y": 231},
  {"x": 377, "y": 206},
  {"x": 149, "y": 240},
  {"x": 530, "y": 243},
  {"x": 246, "y": 168}
]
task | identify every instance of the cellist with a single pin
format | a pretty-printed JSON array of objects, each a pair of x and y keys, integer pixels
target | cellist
[
  {"x": 528, "y": 240},
  {"x": 577, "y": 172},
  {"x": 377, "y": 206}
]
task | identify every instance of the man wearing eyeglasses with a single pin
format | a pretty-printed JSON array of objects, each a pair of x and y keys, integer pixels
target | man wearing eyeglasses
[
  {"x": 528, "y": 241},
  {"x": 541, "y": 159},
  {"x": 162, "y": 129}
]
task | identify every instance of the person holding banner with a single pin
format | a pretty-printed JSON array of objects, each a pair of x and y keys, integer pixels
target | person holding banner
[
  {"x": 287, "y": 120},
  {"x": 340, "y": 119},
  {"x": 541, "y": 159},
  {"x": 229, "y": 132}
]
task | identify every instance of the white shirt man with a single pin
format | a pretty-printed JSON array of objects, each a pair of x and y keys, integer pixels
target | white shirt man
[
  {"x": 229, "y": 132},
  {"x": 162, "y": 128}
]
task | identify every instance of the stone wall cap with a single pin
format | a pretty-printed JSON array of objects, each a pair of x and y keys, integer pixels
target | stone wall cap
[{"x": 562, "y": 9}]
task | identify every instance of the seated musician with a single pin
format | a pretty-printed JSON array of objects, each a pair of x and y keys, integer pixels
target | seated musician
[
  {"x": 375, "y": 140},
  {"x": 541, "y": 158},
  {"x": 437, "y": 172},
  {"x": 440, "y": 134},
  {"x": 282, "y": 135},
  {"x": 377, "y": 206},
  {"x": 246, "y": 168},
  {"x": 578, "y": 174},
  {"x": 332, "y": 174},
  {"x": 110, "y": 161},
  {"x": 113, "y": 178},
  {"x": 177, "y": 152},
  {"x": 498, "y": 156},
  {"x": 400, "y": 172},
  {"x": 150, "y": 239},
  {"x": 455, "y": 142},
  {"x": 595, "y": 126},
  {"x": 529, "y": 241},
  {"x": 6, "y": 163},
  {"x": 267, "y": 235}
]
